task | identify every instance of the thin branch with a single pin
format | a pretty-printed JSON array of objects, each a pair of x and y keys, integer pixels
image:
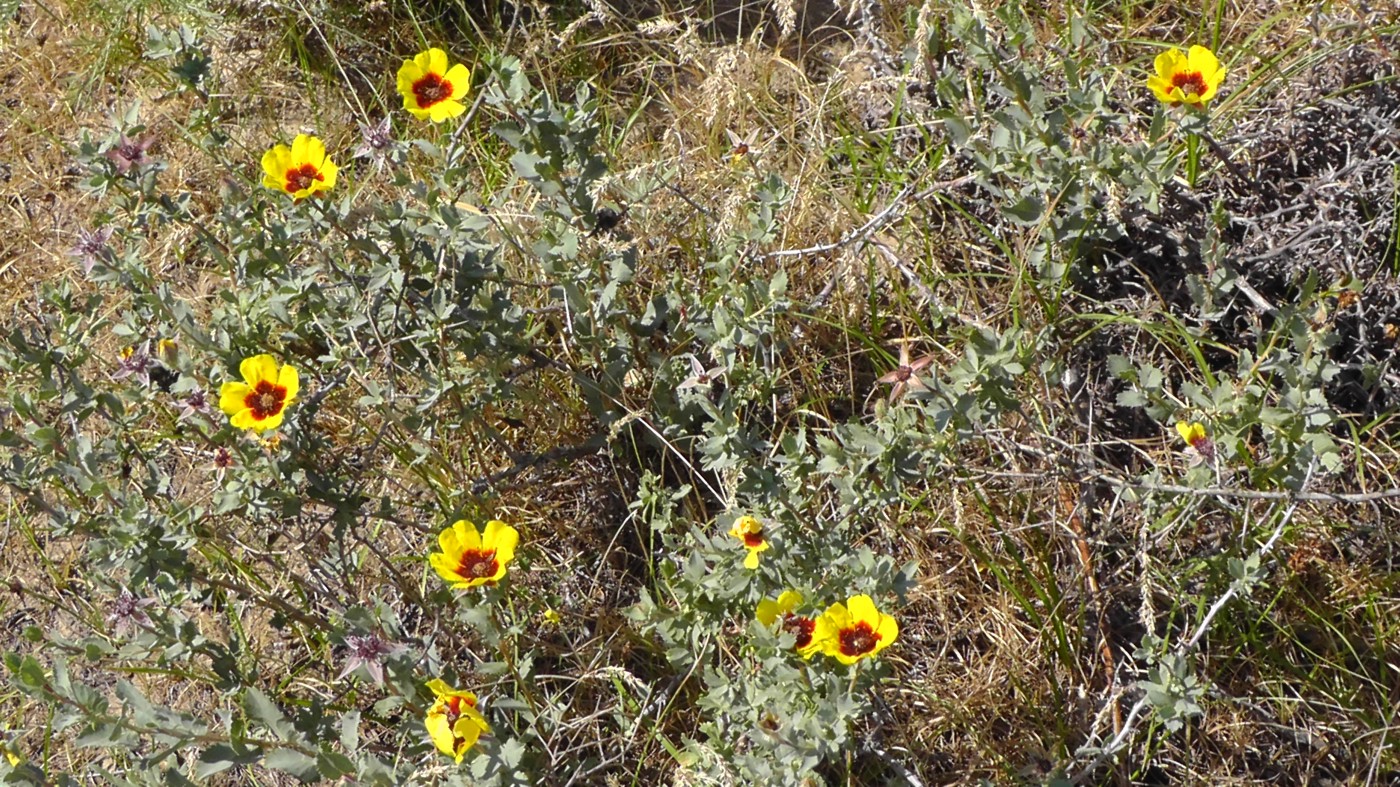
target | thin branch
[
  {"x": 885, "y": 216},
  {"x": 529, "y": 461}
]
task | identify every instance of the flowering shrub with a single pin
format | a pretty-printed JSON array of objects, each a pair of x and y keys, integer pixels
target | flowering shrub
[{"x": 403, "y": 320}]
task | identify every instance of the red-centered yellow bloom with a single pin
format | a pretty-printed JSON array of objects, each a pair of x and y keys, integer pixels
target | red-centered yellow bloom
[
  {"x": 431, "y": 90},
  {"x": 469, "y": 559},
  {"x": 453, "y": 721},
  {"x": 750, "y": 531},
  {"x": 852, "y": 631},
  {"x": 1192, "y": 78},
  {"x": 300, "y": 170},
  {"x": 1195, "y": 436},
  {"x": 259, "y": 401},
  {"x": 800, "y": 626},
  {"x": 1192, "y": 433}
]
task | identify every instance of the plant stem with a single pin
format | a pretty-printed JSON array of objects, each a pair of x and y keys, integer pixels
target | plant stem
[{"x": 1193, "y": 158}]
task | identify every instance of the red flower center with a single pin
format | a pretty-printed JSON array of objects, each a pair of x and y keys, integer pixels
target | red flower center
[
  {"x": 1190, "y": 82},
  {"x": 858, "y": 639},
  {"x": 753, "y": 540},
  {"x": 478, "y": 563},
  {"x": 431, "y": 89},
  {"x": 301, "y": 178},
  {"x": 800, "y": 627},
  {"x": 454, "y": 708},
  {"x": 265, "y": 400}
]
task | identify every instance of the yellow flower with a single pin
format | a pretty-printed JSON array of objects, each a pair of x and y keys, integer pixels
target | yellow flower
[
  {"x": 855, "y": 630},
  {"x": 301, "y": 170},
  {"x": 1193, "y": 78},
  {"x": 453, "y": 721},
  {"x": 1195, "y": 436},
  {"x": 800, "y": 626},
  {"x": 1192, "y": 433},
  {"x": 168, "y": 351},
  {"x": 258, "y": 402},
  {"x": 750, "y": 531},
  {"x": 469, "y": 559},
  {"x": 431, "y": 90}
]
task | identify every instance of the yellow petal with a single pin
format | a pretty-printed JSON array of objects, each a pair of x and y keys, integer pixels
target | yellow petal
[
  {"x": 767, "y": 612},
  {"x": 232, "y": 397},
  {"x": 448, "y": 543},
  {"x": 503, "y": 538},
  {"x": 888, "y": 631},
  {"x": 823, "y": 635},
  {"x": 441, "y": 732},
  {"x": 467, "y": 535},
  {"x": 1162, "y": 89},
  {"x": 1213, "y": 81},
  {"x": 1169, "y": 63},
  {"x": 259, "y": 368},
  {"x": 1190, "y": 432},
  {"x": 329, "y": 170},
  {"x": 266, "y": 424},
  {"x": 243, "y": 419},
  {"x": 789, "y": 600},
  {"x": 446, "y": 567},
  {"x": 315, "y": 152},
  {"x": 436, "y": 61},
  {"x": 409, "y": 73},
  {"x": 1203, "y": 60},
  {"x": 444, "y": 110},
  {"x": 288, "y": 378},
  {"x": 837, "y": 615},
  {"x": 460, "y": 79},
  {"x": 467, "y": 734},
  {"x": 274, "y": 164},
  {"x": 299, "y": 149},
  {"x": 471, "y": 715},
  {"x": 862, "y": 609},
  {"x": 751, "y": 562}
]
